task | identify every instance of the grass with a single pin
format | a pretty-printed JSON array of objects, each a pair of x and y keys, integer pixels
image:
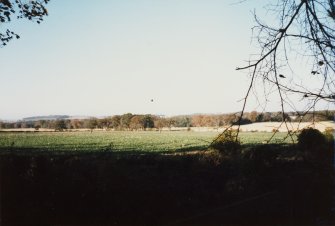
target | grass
[
  {"x": 89, "y": 187},
  {"x": 123, "y": 141}
]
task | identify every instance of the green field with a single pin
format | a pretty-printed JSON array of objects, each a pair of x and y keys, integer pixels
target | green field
[
  {"x": 134, "y": 178},
  {"x": 120, "y": 141}
]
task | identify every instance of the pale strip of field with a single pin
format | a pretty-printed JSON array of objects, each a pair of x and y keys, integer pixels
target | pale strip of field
[
  {"x": 266, "y": 127},
  {"x": 281, "y": 127},
  {"x": 254, "y": 127},
  {"x": 45, "y": 130}
]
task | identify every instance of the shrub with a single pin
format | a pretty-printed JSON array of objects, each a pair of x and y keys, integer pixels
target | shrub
[
  {"x": 227, "y": 143},
  {"x": 329, "y": 133},
  {"x": 329, "y": 130},
  {"x": 261, "y": 156},
  {"x": 313, "y": 145},
  {"x": 311, "y": 138}
]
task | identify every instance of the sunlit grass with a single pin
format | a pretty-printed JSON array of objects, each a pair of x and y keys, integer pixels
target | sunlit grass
[{"x": 150, "y": 141}]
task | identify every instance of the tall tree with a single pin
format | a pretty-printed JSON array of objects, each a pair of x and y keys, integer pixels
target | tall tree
[
  {"x": 60, "y": 125},
  {"x": 160, "y": 123},
  {"x": 92, "y": 123},
  {"x": 125, "y": 120},
  {"x": 148, "y": 122},
  {"x": 115, "y": 121},
  {"x": 136, "y": 122}
]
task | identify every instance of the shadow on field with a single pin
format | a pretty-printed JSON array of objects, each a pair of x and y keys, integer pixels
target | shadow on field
[{"x": 264, "y": 185}]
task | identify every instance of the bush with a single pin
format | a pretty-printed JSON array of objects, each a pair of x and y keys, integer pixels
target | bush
[
  {"x": 227, "y": 143},
  {"x": 313, "y": 145},
  {"x": 311, "y": 138},
  {"x": 262, "y": 154},
  {"x": 275, "y": 130},
  {"x": 329, "y": 134}
]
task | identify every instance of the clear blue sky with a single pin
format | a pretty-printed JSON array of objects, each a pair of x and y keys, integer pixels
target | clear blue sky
[{"x": 110, "y": 57}]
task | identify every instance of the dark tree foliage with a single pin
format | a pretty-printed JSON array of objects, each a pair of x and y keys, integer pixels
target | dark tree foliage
[
  {"x": 60, "y": 125},
  {"x": 92, "y": 123},
  {"x": 148, "y": 122},
  {"x": 313, "y": 145},
  {"x": 20, "y": 9},
  {"x": 227, "y": 143},
  {"x": 311, "y": 138}
]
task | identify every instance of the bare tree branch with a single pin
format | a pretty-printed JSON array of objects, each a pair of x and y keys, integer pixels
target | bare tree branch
[{"x": 305, "y": 29}]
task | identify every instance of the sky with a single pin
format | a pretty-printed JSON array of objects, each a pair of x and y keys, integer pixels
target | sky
[{"x": 107, "y": 57}]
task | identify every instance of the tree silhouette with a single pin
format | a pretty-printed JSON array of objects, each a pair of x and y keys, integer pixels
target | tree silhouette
[
  {"x": 20, "y": 9},
  {"x": 304, "y": 31},
  {"x": 60, "y": 125}
]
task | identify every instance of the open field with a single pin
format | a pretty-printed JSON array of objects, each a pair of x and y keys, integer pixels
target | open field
[
  {"x": 158, "y": 178},
  {"x": 84, "y": 178},
  {"x": 150, "y": 141}
]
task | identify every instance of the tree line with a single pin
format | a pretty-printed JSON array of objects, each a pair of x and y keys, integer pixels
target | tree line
[{"x": 130, "y": 121}]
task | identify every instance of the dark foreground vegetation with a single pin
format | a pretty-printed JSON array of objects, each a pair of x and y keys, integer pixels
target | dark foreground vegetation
[{"x": 269, "y": 184}]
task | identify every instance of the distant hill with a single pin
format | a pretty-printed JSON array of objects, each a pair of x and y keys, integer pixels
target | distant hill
[{"x": 49, "y": 117}]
